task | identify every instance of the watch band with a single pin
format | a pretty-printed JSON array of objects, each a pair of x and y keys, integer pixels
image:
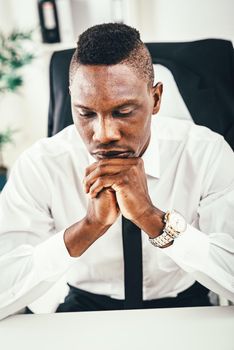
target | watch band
[{"x": 170, "y": 231}]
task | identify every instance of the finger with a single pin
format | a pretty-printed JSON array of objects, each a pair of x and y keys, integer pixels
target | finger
[
  {"x": 112, "y": 162},
  {"x": 110, "y": 182},
  {"x": 112, "y": 194},
  {"x": 102, "y": 170}
]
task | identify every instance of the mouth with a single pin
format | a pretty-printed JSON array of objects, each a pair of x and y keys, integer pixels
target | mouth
[{"x": 111, "y": 154}]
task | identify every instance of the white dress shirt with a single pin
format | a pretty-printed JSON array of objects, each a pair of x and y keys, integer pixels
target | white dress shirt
[{"x": 189, "y": 168}]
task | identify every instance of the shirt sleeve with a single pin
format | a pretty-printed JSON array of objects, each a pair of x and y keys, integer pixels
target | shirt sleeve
[
  {"x": 33, "y": 256},
  {"x": 206, "y": 248}
]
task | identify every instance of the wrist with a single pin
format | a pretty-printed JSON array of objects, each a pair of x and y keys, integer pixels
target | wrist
[
  {"x": 96, "y": 227},
  {"x": 175, "y": 224},
  {"x": 81, "y": 235},
  {"x": 151, "y": 221}
]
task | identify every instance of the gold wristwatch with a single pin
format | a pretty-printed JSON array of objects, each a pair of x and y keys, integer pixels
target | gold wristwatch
[{"x": 175, "y": 224}]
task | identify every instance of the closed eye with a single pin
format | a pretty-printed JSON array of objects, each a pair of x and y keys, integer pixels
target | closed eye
[
  {"x": 118, "y": 114},
  {"x": 87, "y": 114}
]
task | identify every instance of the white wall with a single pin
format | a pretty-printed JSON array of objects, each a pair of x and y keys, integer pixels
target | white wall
[
  {"x": 27, "y": 110},
  {"x": 157, "y": 20},
  {"x": 182, "y": 20}
]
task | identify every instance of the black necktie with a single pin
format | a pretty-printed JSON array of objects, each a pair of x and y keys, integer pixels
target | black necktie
[{"x": 132, "y": 251}]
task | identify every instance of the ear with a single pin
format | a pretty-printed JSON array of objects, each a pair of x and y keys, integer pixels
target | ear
[{"x": 157, "y": 91}]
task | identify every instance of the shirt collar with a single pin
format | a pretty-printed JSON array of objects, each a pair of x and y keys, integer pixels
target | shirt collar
[{"x": 150, "y": 157}]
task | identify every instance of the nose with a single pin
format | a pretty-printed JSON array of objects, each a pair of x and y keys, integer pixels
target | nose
[{"x": 106, "y": 130}]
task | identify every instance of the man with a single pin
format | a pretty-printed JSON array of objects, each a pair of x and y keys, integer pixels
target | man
[{"x": 85, "y": 205}]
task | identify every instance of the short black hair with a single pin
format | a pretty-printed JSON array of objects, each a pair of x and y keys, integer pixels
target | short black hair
[{"x": 113, "y": 43}]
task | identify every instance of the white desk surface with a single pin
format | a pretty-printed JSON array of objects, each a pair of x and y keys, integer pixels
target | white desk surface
[{"x": 207, "y": 328}]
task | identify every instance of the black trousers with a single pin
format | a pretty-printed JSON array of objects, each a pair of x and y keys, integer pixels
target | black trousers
[{"x": 80, "y": 300}]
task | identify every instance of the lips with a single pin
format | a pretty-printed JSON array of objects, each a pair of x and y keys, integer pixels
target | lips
[{"x": 111, "y": 154}]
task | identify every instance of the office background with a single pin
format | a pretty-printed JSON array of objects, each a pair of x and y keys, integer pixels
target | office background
[{"x": 157, "y": 20}]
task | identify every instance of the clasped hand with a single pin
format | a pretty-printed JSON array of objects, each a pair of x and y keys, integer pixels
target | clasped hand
[{"x": 116, "y": 186}]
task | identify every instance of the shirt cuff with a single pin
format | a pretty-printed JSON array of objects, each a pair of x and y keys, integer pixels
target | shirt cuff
[
  {"x": 51, "y": 257},
  {"x": 190, "y": 250}
]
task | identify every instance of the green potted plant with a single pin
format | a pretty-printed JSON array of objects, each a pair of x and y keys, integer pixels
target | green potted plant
[{"x": 14, "y": 55}]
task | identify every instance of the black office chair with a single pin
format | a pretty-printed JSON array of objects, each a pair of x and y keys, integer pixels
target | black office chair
[{"x": 203, "y": 71}]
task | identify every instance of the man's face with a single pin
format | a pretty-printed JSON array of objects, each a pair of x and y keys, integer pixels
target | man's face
[{"x": 112, "y": 108}]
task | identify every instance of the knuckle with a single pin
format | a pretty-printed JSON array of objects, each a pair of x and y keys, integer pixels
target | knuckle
[
  {"x": 139, "y": 161},
  {"x": 99, "y": 181},
  {"x": 140, "y": 164},
  {"x": 124, "y": 179},
  {"x": 134, "y": 168},
  {"x": 102, "y": 162},
  {"x": 100, "y": 168}
]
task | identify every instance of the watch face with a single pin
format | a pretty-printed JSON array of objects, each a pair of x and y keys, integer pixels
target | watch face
[{"x": 177, "y": 222}]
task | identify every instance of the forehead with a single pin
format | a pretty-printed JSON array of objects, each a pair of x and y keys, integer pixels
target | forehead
[{"x": 106, "y": 84}]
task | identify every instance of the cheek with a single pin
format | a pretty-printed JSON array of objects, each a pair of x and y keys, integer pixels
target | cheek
[
  {"x": 84, "y": 130},
  {"x": 140, "y": 132},
  {"x": 140, "y": 127}
]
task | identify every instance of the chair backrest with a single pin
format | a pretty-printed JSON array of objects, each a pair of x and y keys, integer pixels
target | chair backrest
[{"x": 203, "y": 71}]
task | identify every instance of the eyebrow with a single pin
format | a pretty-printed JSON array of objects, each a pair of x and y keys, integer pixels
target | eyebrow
[
  {"x": 127, "y": 103},
  {"x": 81, "y": 106}
]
